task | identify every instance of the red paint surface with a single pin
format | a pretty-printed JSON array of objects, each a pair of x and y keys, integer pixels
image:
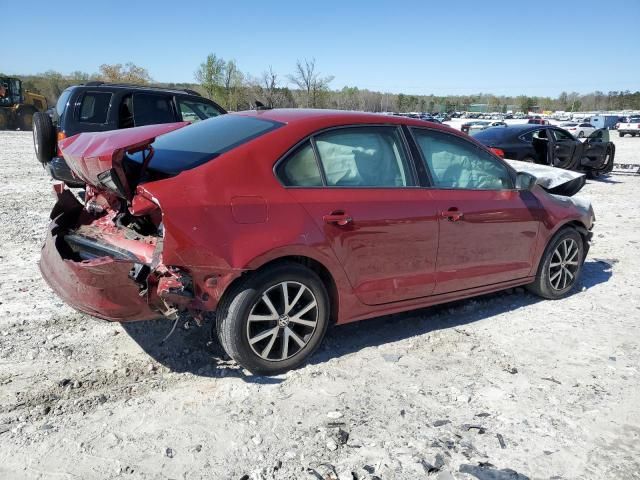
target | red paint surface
[{"x": 231, "y": 215}]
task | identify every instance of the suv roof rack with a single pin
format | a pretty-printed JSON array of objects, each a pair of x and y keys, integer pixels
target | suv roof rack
[{"x": 134, "y": 85}]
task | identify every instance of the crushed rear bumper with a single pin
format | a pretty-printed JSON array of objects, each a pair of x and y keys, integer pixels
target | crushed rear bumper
[{"x": 100, "y": 286}]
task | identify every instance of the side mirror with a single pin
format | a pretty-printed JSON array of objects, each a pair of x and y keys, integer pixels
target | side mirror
[{"x": 525, "y": 181}]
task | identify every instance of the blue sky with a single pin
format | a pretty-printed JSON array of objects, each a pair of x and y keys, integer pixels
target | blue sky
[{"x": 416, "y": 47}]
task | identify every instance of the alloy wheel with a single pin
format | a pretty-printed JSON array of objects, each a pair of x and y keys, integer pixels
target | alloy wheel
[
  {"x": 564, "y": 264},
  {"x": 282, "y": 321}
]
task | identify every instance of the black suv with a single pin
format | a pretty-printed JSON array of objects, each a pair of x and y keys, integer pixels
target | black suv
[{"x": 99, "y": 106}]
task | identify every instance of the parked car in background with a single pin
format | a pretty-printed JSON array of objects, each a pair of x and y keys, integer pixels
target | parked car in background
[
  {"x": 99, "y": 106},
  {"x": 550, "y": 145},
  {"x": 538, "y": 121},
  {"x": 473, "y": 127},
  {"x": 631, "y": 127},
  {"x": 579, "y": 130},
  {"x": 329, "y": 227}
]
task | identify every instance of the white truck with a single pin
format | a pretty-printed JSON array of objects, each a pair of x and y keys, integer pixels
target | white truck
[{"x": 631, "y": 126}]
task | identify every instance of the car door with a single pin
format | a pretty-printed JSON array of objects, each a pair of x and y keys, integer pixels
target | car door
[
  {"x": 595, "y": 149},
  {"x": 488, "y": 229},
  {"x": 564, "y": 148},
  {"x": 359, "y": 186}
]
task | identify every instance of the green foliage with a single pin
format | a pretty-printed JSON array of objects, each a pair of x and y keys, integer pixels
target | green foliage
[{"x": 210, "y": 76}]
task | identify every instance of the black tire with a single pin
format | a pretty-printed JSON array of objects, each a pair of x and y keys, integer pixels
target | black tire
[
  {"x": 633, "y": 134},
  {"x": 43, "y": 137},
  {"x": 24, "y": 117},
  {"x": 543, "y": 285},
  {"x": 581, "y": 134},
  {"x": 234, "y": 328},
  {"x": 620, "y": 134}
]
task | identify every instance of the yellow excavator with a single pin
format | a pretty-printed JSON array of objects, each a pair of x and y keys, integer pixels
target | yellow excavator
[{"x": 17, "y": 106}]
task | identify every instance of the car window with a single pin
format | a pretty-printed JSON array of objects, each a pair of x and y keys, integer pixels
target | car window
[
  {"x": 149, "y": 109},
  {"x": 300, "y": 169},
  {"x": 193, "y": 111},
  {"x": 561, "y": 135},
  {"x": 196, "y": 144},
  {"x": 94, "y": 107},
  {"x": 456, "y": 163},
  {"x": 540, "y": 134},
  {"x": 364, "y": 157}
]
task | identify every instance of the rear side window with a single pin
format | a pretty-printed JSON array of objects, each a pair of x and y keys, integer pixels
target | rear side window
[
  {"x": 61, "y": 104},
  {"x": 455, "y": 163},
  {"x": 94, "y": 107},
  {"x": 194, "y": 111},
  {"x": 300, "y": 169},
  {"x": 364, "y": 157},
  {"x": 196, "y": 144},
  {"x": 150, "y": 109}
]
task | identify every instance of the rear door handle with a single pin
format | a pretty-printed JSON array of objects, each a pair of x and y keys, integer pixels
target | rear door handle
[
  {"x": 453, "y": 214},
  {"x": 337, "y": 218}
]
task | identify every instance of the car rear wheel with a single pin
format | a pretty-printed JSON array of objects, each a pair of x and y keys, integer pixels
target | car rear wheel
[
  {"x": 43, "y": 137},
  {"x": 560, "y": 266},
  {"x": 620, "y": 134},
  {"x": 274, "y": 319}
]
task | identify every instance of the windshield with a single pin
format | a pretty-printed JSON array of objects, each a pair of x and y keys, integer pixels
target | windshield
[{"x": 200, "y": 142}]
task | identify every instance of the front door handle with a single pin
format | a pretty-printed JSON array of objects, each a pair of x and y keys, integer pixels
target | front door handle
[
  {"x": 453, "y": 214},
  {"x": 340, "y": 219}
]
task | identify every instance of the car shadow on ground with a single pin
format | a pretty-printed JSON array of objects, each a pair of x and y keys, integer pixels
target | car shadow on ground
[
  {"x": 604, "y": 179},
  {"x": 192, "y": 349}
]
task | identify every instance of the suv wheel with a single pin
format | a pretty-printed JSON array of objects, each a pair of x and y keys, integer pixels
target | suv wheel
[
  {"x": 43, "y": 137},
  {"x": 560, "y": 266},
  {"x": 274, "y": 319}
]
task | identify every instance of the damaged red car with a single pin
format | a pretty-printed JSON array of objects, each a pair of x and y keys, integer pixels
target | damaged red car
[{"x": 283, "y": 222}]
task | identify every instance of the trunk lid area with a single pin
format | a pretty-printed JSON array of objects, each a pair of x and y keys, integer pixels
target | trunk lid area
[{"x": 97, "y": 158}]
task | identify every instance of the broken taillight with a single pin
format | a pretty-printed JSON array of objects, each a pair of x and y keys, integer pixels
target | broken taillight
[{"x": 498, "y": 151}]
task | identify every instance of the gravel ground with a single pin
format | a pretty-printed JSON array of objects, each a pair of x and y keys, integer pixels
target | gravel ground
[{"x": 504, "y": 386}]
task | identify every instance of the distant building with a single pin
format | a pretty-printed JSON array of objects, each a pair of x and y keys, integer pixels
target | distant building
[{"x": 479, "y": 107}]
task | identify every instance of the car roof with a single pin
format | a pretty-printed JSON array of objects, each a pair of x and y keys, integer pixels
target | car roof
[
  {"x": 292, "y": 116},
  {"x": 127, "y": 86}
]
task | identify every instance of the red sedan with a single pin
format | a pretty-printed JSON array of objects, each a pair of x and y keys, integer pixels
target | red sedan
[{"x": 285, "y": 221}]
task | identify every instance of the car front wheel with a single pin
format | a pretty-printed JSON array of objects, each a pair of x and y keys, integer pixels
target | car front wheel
[
  {"x": 274, "y": 319},
  {"x": 560, "y": 266}
]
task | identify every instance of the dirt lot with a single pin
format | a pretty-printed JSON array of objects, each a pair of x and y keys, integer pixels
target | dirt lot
[{"x": 480, "y": 389}]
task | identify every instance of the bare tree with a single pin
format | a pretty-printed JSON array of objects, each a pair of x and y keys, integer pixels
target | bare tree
[
  {"x": 269, "y": 85},
  {"x": 307, "y": 79}
]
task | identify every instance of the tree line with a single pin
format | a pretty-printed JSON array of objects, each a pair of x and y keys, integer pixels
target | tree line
[{"x": 223, "y": 81}]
